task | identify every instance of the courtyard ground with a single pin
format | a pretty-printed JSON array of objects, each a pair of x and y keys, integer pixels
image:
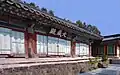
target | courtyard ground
[{"x": 113, "y": 69}]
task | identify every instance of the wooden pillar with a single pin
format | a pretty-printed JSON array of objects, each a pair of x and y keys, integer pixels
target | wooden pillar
[
  {"x": 90, "y": 49},
  {"x": 105, "y": 50},
  {"x": 115, "y": 50},
  {"x": 30, "y": 44},
  {"x": 26, "y": 44},
  {"x": 73, "y": 45}
]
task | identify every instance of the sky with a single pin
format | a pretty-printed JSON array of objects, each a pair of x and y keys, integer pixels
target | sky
[{"x": 105, "y": 14}]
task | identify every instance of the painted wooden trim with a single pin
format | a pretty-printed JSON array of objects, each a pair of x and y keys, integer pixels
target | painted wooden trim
[{"x": 12, "y": 28}]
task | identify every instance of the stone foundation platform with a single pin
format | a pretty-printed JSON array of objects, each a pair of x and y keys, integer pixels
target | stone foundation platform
[{"x": 50, "y": 66}]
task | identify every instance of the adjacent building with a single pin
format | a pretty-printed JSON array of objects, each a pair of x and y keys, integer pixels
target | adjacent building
[{"x": 110, "y": 46}]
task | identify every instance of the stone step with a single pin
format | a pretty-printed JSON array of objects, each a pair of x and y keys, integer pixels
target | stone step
[
  {"x": 38, "y": 60},
  {"x": 40, "y": 63}
]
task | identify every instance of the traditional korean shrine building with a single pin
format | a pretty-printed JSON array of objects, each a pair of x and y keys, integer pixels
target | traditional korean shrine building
[
  {"x": 26, "y": 32},
  {"x": 110, "y": 46}
]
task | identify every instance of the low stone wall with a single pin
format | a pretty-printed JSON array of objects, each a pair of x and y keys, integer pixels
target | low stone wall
[{"x": 48, "y": 69}]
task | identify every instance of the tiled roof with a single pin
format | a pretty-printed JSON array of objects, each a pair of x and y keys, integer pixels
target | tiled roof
[
  {"x": 114, "y": 35},
  {"x": 13, "y": 5},
  {"x": 111, "y": 37}
]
